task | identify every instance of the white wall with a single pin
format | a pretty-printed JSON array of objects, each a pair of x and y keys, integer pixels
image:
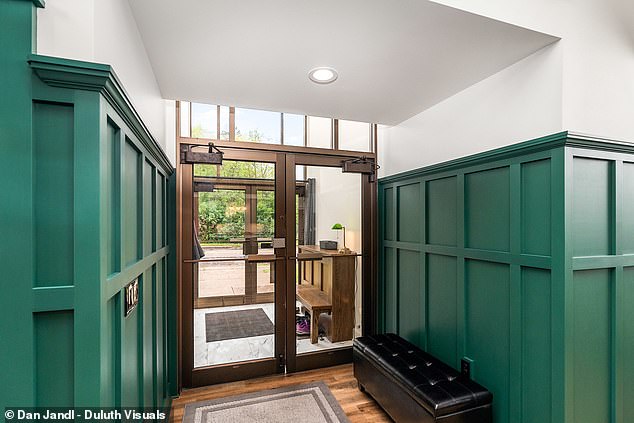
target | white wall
[
  {"x": 170, "y": 130},
  {"x": 105, "y": 32},
  {"x": 583, "y": 83},
  {"x": 338, "y": 200},
  {"x": 519, "y": 103},
  {"x": 598, "y": 58}
]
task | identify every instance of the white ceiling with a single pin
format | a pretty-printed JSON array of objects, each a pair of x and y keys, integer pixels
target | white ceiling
[{"x": 394, "y": 58}]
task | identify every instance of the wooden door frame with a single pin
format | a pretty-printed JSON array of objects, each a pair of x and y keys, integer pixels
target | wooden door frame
[
  {"x": 331, "y": 357},
  {"x": 286, "y": 159},
  {"x": 191, "y": 376}
]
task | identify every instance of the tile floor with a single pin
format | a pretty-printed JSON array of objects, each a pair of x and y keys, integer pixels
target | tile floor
[{"x": 242, "y": 349}]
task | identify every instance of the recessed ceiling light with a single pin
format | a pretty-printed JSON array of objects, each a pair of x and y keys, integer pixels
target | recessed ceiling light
[{"x": 323, "y": 75}]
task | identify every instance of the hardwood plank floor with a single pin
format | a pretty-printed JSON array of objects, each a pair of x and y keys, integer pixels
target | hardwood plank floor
[{"x": 358, "y": 406}]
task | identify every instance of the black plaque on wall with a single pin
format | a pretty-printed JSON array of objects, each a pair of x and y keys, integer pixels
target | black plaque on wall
[{"x": 131, "y": 296}]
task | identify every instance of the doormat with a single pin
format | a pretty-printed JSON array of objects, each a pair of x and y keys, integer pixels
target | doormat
[
  {"x": 237, "y": 324},
  {"x": 307, "y": 403}
]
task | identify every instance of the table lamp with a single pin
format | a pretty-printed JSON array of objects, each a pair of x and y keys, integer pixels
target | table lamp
[{"x": 339, "y": 227}]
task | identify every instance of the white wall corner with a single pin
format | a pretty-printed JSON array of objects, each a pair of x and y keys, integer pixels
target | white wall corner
[{"x": 521, "y": 102}]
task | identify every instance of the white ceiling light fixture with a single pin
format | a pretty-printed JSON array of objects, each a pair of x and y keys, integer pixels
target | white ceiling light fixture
[{"x": 323, "y": 75}]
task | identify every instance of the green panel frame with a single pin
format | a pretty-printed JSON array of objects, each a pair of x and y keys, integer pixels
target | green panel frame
[
  {"x": 547, "y": 210},
  {"x": 63, "y": 125}
]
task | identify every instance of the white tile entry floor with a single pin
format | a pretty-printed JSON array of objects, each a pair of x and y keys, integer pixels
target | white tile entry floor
[{"x": 242, "y": 349}]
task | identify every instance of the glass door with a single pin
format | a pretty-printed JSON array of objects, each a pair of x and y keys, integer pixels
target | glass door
[
  {"x": 276, "y": 262},
  {"x": 330, "y": 252},
  {"x": 237, "y": 309}
]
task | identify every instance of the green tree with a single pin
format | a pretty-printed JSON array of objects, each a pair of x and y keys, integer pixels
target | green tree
[{"x": 222, "y": 212}]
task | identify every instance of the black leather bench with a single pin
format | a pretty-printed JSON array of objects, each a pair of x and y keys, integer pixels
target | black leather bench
[{"x": 412, "y": 386}]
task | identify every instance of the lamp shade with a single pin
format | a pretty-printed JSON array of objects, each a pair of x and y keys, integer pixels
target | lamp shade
[{"x": 337, "y": 226}]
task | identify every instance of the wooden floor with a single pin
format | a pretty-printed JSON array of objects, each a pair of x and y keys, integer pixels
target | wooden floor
[{"x": 358, "y": 406}]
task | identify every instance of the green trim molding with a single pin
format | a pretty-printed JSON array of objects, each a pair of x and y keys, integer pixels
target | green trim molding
[
  {"x": 520, "y": 259},
  {"x": 86, "y": 210}
]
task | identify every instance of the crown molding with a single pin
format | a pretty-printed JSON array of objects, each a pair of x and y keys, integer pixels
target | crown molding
[{"x": 88, "y": 76}]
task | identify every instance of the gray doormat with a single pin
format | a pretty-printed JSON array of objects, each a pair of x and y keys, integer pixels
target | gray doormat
[
  {"x": 237, "y": 324},
  {"x": 307, "y": 403}
]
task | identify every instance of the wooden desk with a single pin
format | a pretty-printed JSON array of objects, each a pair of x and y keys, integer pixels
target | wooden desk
[
  {"x": 335, "y": 276},
  {"x": 316, "y": 302}
]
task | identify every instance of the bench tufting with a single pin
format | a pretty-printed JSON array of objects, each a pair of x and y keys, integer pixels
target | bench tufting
[{"x": 412, "y": 385}]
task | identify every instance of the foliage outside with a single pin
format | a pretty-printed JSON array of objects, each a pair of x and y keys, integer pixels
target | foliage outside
[{"x": 222, "y": 213}]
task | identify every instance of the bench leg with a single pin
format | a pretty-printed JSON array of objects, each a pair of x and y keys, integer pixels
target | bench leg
[{"x": 314, "y": 327}]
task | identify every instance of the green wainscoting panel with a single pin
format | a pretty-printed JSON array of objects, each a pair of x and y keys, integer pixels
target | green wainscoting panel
[
  {"x": 410, "y": 309},
  {"x": 487, "y": 302},
  {"x": 109, "y": 380},
  {"x": 409, "y": 225},
  {"x": 442, "y": 308},
  {"x": 627, "y": 213},
  {"x": 536, "y": 345},
  {"x": 159, "y": 331},
  {"x": 592, "y": 350},
  {"x": 131, "y": 359},
  {"x": 53, "y": 161},
  {"x": 54, "y": 359},
  {"x": 487, "y": 209},
  {"x": 85, "y": 174},
  {"x": 149, "y": 323},
  {"x": 525, "y": 258},
  {"x": 132, "y": 203},
  {"x": 627, "y": 348},
  {"x": 391, "y": 291},
  {"x": 149, "y": 212},
  {"x": 112, "y": 179},
  {"x": 389, "y": 217},
  {"x": 161, "y": 215},
  {"x": 591, "y": 208},
  {"x": 536, "y": 207},
  {"x": 442, "y": 211}
]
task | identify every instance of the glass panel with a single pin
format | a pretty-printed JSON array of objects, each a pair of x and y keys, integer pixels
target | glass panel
[
  {"x": 253, "y": 170},
  {"x": 204, "y": 121},
  {"x": 258, "y": 126},
  {"x": 265, "y": 233},
  {"x": 234, "y": 222},
  {"x": 221, "y": 217},
  {"x": 319, "y": 132},
  {"x": 328, "y": 279},
  {"x": 184, "y": 110},
  {"x": 206, "y": 170},
  {"x": 354, "y": 136},
  {"x": 224, "y": 122},
  {"x": 293, "y": 129},
  {"x": 266, "y": 215}
]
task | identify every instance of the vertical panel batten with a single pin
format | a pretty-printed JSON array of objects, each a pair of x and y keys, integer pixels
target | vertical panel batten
[
  {"x": 515, "y": 300},
  {"x": 461, "y": 325}
]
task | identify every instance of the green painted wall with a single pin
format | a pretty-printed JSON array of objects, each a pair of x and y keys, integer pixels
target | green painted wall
[
  {"x": 84, "y": 212},
  {"x": 521, "y": 260}
]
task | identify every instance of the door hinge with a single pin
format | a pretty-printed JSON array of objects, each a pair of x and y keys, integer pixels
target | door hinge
[{"x": 282, "y": 361}]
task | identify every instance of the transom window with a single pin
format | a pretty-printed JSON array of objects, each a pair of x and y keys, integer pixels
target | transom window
[{"x": 225, "y": 123}]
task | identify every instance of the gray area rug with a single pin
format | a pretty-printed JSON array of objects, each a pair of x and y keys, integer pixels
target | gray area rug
[
  {"x": 307, "y": 403},
  {"x": 237, "y": 324}
]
